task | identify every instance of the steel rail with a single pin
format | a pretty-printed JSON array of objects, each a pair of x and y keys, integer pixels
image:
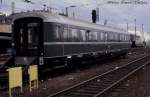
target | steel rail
[
  {"x": 122, "y": 79},
  {"x": 104, "y": 74}
]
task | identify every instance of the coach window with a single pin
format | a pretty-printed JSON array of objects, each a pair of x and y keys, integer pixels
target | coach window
[
  {"x": 102, "y": 36},
  {"x": 115, "y": 37},
  {"x": 125, "y": 38},
  {"x": 29, "y": 37},
  {"x": 79, "y": 35},
  {"x": 32, "y": 34},
  {"x": 106, "y": 36},
  {"x": 69, "y": 35},
  {"x": 87, "y": 35},
  {"x": 118, "y": 37},
  {"x": 83, "y": 37},
  {"x": 95, "y": 36},
  {"x": 90, "y": 36},
  {"x": 21, "y": 36},
  {"x": 109, "y": 36},
  {"x": 98, "y": 36},
  {"x": 58, "y": 33},
  {"x": 74, "y": 34},
  {"x": 65, "y": 34},
  {"x": 122, "y": 37}
]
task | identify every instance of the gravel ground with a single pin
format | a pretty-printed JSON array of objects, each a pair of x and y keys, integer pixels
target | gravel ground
[{"x": 55, "y": 84}]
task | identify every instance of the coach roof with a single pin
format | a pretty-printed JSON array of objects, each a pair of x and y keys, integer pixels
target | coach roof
[{"x": 48, "y": 17}]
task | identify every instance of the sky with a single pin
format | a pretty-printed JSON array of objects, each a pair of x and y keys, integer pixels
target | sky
[{"x": 116, "y": 12}]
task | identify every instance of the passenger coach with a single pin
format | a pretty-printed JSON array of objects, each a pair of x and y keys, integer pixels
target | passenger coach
[{"x": 56, "y": 41}]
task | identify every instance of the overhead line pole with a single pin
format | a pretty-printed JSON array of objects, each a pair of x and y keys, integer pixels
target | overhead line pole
[
  {"x": 135, "y": 29},
  {"x": 143, "y": 32}
]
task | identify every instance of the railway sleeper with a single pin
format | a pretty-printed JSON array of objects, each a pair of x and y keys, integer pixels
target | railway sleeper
[
  {"x": 75, "y": 95},
  {"x": 91, "y": 86},
  {"x": 86, "y": 91},
  {"x": 92, "y": 89},
  {"x": 100, "y": 88},
  {"x": 79, "y": 94}
]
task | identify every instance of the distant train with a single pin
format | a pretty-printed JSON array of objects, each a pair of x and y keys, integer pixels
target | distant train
[
  {"x": 138, "y": 43},
  {"x": 54, "y": 41}
]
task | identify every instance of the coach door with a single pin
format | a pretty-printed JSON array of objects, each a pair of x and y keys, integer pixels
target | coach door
[{"x": 28, "y": 33}]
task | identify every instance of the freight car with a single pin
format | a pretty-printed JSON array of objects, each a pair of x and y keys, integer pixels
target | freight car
[{"x": 55, "y": 41}]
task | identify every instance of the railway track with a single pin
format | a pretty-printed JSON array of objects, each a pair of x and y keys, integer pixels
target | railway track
[
  {"x": 101, "y": 84},
  {"x": 4, "y": 65},
  {"x": 139, "y": 52}
]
